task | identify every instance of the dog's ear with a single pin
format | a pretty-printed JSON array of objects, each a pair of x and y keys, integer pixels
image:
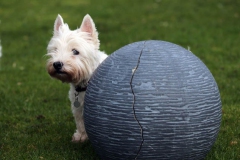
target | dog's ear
[
  {"x": 58, "y": 23},
  {"x": 89, "y": 27}
]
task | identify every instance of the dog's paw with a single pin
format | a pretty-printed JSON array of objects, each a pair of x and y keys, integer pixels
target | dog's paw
[{"x": 79, "y": 137}]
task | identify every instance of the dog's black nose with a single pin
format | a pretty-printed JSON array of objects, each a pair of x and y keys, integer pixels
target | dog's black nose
[{"x": 57, "y": 65}]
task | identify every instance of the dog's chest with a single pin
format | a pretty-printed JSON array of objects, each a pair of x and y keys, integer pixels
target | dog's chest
[{"x": 76, "y": 98}]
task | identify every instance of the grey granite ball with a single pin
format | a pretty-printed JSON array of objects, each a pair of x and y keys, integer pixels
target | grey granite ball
[{"x": 152, "y": 100}]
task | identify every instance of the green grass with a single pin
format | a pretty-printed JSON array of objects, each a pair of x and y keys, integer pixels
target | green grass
[{"x": 35, "y": 117}]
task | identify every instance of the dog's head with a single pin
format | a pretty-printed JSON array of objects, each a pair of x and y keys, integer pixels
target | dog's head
[{"x": 73, "y": 53}]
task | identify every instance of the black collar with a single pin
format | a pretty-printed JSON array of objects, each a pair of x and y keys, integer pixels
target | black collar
[{"x": 80, "y": 89}]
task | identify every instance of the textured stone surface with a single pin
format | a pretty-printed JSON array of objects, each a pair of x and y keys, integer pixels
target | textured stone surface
[{"x": 152, "y": 100}]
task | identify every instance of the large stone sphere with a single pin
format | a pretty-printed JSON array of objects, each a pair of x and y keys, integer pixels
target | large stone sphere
[{"x": 152, "y": 100}]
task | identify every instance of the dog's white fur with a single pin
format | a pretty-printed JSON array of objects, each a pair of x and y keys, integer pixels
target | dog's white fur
[{"x": 75, "y": 69}]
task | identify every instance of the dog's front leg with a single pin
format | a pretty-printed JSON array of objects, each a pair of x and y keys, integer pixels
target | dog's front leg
[{"x": 80, "y": 135}]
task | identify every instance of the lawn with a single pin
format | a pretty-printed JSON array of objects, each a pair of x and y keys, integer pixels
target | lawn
[{"x": 35, "y": 117}]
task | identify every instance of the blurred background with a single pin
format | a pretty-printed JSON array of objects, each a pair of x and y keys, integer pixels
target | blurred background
[{"x": 35, "y": 117}]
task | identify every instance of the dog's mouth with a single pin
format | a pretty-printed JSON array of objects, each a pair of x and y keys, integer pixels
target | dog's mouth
[
  {"x": 60, "y": 72},
  {"x": 61, "y": 75}
]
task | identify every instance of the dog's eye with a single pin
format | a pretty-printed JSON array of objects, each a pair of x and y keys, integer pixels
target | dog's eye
[{"x": 75, "y": 52}]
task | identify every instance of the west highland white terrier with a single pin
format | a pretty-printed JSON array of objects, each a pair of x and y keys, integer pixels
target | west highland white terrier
[{"x": 74, "y": 55}]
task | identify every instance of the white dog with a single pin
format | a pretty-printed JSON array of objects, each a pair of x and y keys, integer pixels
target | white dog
[{"x": 74, "y": 55}]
